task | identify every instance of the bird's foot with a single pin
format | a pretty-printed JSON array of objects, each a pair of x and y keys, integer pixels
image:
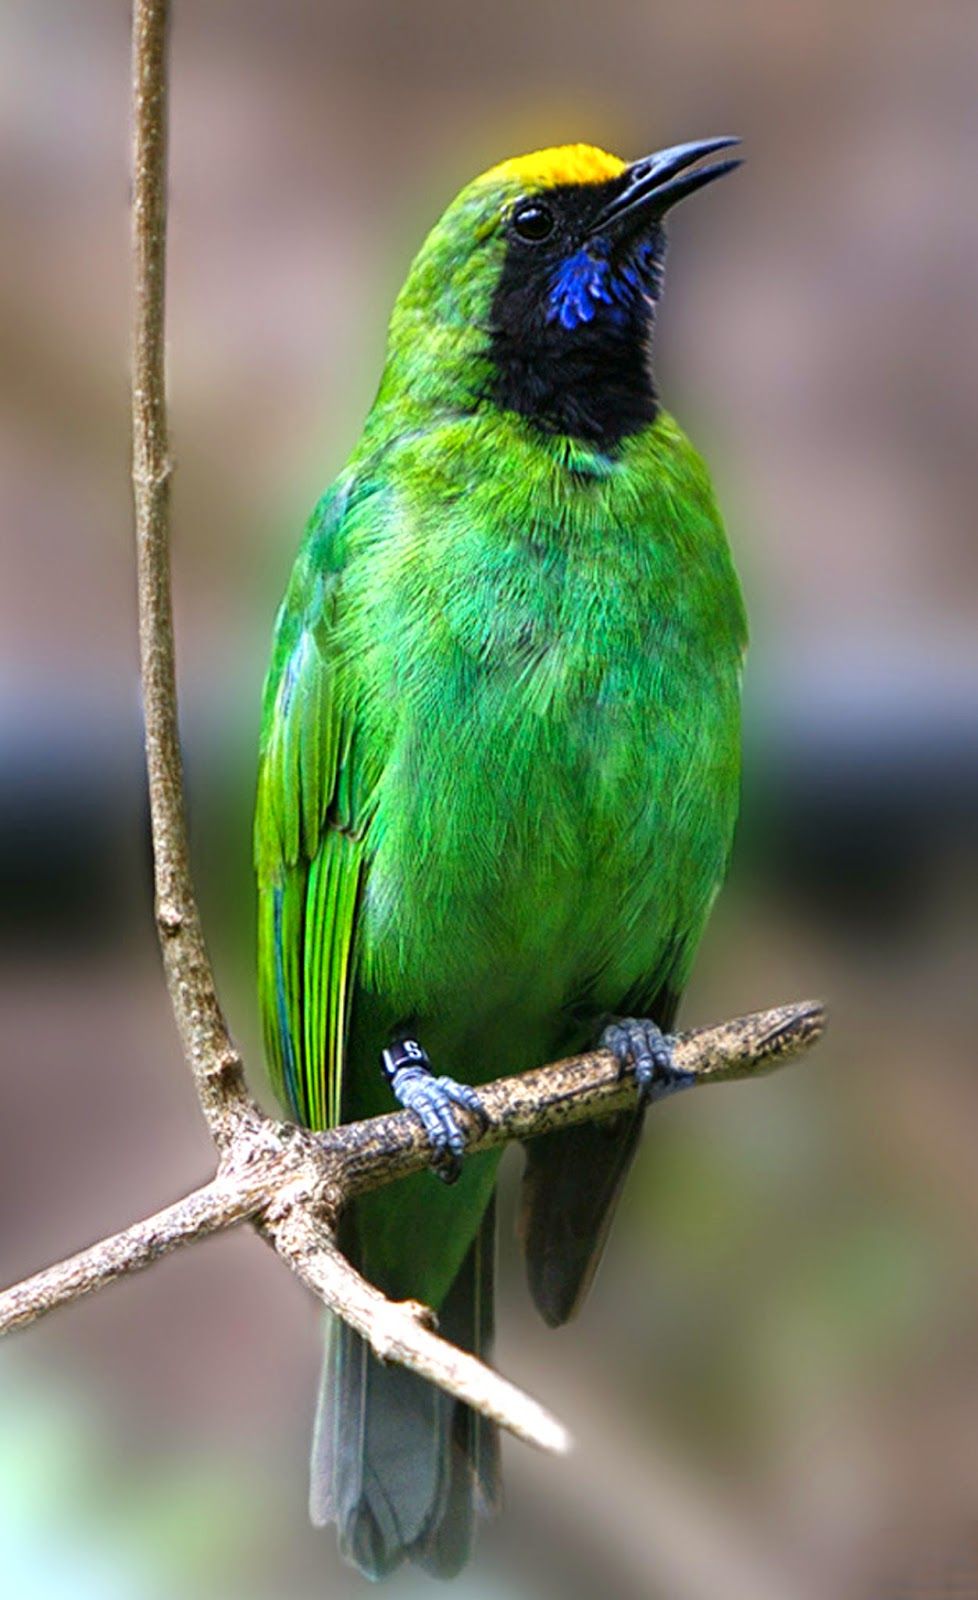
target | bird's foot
[
  {"x": 641, "y": 1043},
  {"x": 407, "y": 1069}
]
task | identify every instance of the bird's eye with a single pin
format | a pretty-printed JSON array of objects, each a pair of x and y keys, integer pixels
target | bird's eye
[{"x": 533, "y": 222}]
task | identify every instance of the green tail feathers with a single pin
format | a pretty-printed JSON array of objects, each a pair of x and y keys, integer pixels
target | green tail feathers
[{"x": 400, "y": 1467}]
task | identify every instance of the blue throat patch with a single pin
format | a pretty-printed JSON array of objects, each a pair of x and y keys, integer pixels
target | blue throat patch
[{"x": 587, "y": 283}]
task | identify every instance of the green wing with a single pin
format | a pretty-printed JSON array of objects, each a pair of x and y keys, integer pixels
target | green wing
[{"x": 309, "y": 845}]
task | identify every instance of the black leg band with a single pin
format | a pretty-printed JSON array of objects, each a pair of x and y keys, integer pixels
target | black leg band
[{"x": 403, "y": 1055}]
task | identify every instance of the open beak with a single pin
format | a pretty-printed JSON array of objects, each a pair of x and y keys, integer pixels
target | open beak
[{"x": 655, "y": 184}]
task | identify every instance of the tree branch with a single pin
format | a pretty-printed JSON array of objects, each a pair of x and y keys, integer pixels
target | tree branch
[
  {"x": 210, "y": 1209},
  {"x": 292, "y": 1183},
  {"x": 404, "y": 1331},
  {"x": 207, "y": 1043},
  {"x": 578, "y": 1089}
]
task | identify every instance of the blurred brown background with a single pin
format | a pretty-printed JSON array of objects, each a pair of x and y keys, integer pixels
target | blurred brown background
[{"x": 775, "y": 1385}]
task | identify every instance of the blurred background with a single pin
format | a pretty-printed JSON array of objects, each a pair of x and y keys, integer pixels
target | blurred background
[{"x": 774, "y": 1387}]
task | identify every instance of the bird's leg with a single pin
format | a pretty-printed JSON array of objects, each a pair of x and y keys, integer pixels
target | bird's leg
[
  {"x": 640, "y": 1042},
  {"x": 407, "y": 1069}
]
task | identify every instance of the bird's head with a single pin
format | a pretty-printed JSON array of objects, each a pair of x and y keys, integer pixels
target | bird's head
[{"x": 536, "y": 291}]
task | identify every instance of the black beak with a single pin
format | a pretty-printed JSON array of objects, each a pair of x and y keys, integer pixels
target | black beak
[{"x": 654, "y": 184}]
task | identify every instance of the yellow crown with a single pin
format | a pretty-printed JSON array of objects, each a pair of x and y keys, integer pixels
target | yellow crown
[{"x": 567, "y": 163}]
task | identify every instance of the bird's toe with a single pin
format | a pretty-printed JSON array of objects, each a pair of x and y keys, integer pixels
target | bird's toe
[{"x": 640, "y": 1043}]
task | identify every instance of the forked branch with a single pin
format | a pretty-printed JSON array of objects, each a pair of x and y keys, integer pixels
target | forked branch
[{"x": 291, "y": 1183}]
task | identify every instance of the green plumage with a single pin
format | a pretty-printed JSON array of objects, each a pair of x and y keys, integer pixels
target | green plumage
[{"x": 498, "y": 778}]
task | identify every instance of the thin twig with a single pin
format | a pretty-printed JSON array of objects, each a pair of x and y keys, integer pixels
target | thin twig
[
  {"x": 211, "y": 1209},
  {"x": 277, "y": 1170},
  {"x": 291, "y": 1182},
  {"x": 207, "y": 1043},
  {"x": 404, "y": 1331},
  {"x": 578, "y": 1089}
]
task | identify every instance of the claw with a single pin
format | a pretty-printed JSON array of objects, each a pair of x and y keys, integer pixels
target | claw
[
  {"x": 640, "y": 1043},
  {"x": 462, "y": 1094},
  {"x": 408, "y": 1071}
]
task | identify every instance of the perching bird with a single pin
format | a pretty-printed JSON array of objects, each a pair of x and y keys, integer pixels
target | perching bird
[{"x": 498, "y": 779}]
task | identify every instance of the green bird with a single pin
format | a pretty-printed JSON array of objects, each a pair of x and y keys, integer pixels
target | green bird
[{"x": 499, "y": 775}]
